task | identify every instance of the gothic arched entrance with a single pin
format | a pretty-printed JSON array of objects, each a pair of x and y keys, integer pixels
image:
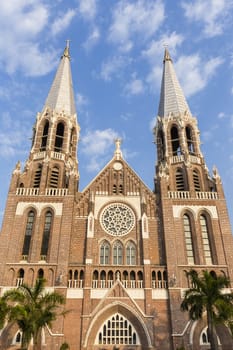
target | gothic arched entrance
[{"x": 117, "y": 327}]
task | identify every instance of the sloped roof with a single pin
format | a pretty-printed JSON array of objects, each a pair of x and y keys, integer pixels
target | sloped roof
[
  {"x": 172, "y": 98},
  {"x": 61, "y": 94}
]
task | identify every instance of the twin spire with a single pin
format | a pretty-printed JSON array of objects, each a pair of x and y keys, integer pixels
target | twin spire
[{"x": 61, "y": 94}]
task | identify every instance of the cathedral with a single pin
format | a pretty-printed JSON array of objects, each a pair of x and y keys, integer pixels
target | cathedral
[{"x": 118, "y": 251}]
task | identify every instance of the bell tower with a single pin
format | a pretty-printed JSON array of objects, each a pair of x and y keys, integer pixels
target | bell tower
[
  {"x": 194, "y": 221},
  {"x": 52, "y": 164}
]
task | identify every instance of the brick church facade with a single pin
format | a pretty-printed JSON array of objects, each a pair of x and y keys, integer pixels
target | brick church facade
[{"x": 118, "y": 250}]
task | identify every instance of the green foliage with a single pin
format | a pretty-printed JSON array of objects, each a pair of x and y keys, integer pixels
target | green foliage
[
  {"x": 32, "y": 308},
  {"x": 206, "y": 295},
  {"x": 64, "y": 346}
]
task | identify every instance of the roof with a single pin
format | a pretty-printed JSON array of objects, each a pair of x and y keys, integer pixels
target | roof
[
  {"x": 172, "y": 98},
  {"x": 61, "y": 94}
]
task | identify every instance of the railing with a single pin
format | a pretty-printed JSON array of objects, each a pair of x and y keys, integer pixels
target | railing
[
  {"x": 158, "y": 284},
  {"x": 57, "y": 155},
  {"x": 187, "y": 195},
  {"x": 39, "y": 155},
  {"x": 19, "y": 281},
  {"x": 180, "y": 158},
  {"x": 206, "y": 195},
  {"x": 179, "y": 194},
  {"x": 132, "y": 284},
  {"x": 75, "y": 283},
  {"x": 56, "y": 191},
  {"x": 102, "y": 283},
  {"x": 21, "y": 191}
]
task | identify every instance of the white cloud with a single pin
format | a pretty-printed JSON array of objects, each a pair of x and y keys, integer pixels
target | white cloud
[
  {"x": 155, "y": 49},
  {"x": 21, "y": 23},
  {"x": 87, "y": 9},
  {"x": 82, "y": 101},
  {"x": 96, "y": 145},
  {"x": 113, "y": 66},
  {"x": 13, "y": 135},
  {"x": 142, "y": 18},
  {"x": 134, "y": 87},
  {"x": 212, "y": 13},
  {"x": 194, "y": 73},
  {"x": 63, "y": 22},
  {"x": 92, "y": 39}
]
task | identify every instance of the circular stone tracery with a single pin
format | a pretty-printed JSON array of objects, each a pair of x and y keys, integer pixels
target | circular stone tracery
[{"x": 117, "y": 219}]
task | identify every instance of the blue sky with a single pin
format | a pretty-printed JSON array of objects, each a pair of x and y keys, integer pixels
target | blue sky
[{"x": 117, "y": 52}]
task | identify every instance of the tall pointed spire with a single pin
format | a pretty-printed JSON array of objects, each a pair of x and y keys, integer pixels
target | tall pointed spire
[
  {"x": 61, "y": 94},
  {"x": 172, "y": 98}
]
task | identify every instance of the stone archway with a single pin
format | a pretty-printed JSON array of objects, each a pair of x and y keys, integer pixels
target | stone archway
[{"x": 129, "y": 315}]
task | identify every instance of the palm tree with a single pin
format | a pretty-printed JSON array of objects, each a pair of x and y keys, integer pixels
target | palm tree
[
  {"x": 207, "y": 294},
  {"x": 32, "y": 308}
]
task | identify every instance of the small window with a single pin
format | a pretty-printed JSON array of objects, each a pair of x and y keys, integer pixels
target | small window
[
  {"x": 130, "y": 254},
  {"x": 196, "y": 181},
  {"x": 37, "y": 176},
  {"x": 105, "y": 253},
  {"x": 54, "y": 177},
  {"x": 180, "y": 186},
  {"x": 117, "y": 254}
]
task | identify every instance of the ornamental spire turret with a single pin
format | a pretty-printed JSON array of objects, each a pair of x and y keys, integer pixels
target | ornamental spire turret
[
  {"x": 172, "y": 98},
  {"x": 61, "y": 94}
]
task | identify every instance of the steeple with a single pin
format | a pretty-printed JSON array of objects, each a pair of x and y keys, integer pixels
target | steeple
[
  {"x": 172, "y": 99},
  {"x": 61, "y": 95}
]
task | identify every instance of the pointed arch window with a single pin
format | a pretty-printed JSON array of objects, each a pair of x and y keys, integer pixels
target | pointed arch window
[
  {"x": 189, "y": 139},
  {"x": 37, "y": 176},
  {"x": 59, "y": 137},
  {"x": 180, "y": 184},
  {"x": 54, "y": 177},
  {"x": 188, "y": 239},
  {"x": 46, "y": 234},
  {"x": 175, "y": 141},
  {"x": 117, "y": 253},
  {"x": 105, "y": 253},
  {"x": 206, "y": 240},
  {"x": 44, "y": 138},
  {"x": 196, "y": 180},
  {"x": 130, "y": 254},
  {"x": 117, "y": 330},
  {"x": 28, "y": 233}
]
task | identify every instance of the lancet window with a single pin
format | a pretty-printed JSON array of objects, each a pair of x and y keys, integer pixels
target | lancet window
[
  {"x": 59, "y": 137},
  {"x": 28, "y": 233},
  {"x": 46, "y": 234},
  {"x": 206, "y": 240},
  {"x": 44, "y": 136},
  {"x": 188, "y": 239}
]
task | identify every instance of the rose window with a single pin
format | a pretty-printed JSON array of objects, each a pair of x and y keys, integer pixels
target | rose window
[{"x": 117, "y": 219}]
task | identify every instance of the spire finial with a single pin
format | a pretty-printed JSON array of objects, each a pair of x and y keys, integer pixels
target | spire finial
[
  {"x": 167, "y": 56},
  {"x": 66, "y": 52},
  {"x": 118, "y": 152}
]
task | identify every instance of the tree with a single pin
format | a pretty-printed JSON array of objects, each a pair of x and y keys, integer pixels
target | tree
[
  {"x": 32, "y": 308},
  {"x": 207, "y": 294}
]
